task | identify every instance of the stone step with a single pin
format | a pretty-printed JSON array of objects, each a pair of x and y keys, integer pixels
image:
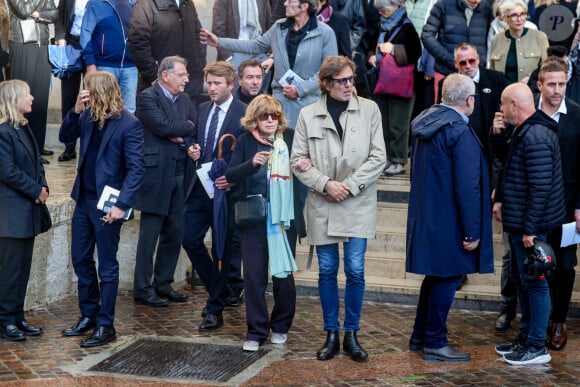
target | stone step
[{"x": 385, "y": 273}]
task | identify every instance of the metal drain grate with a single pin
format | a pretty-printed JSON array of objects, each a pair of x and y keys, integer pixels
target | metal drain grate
[{"x": 182, "y": 360}]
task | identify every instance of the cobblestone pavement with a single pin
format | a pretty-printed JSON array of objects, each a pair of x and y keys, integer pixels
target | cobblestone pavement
[{"x": 52, "y": 360}]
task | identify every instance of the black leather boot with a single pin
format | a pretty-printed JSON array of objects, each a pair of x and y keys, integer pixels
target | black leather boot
[
  {"x": 353, "y": 348},
  {"x": 331, "y": 347}
]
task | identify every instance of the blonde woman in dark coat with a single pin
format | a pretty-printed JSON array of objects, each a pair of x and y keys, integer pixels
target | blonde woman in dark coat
[{"x": 23, "y": 189}]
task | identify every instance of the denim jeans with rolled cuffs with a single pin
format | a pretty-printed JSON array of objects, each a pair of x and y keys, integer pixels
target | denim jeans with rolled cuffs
[
  {"x": 354, "y": 269},
  {"x": 533, "y": 294}
]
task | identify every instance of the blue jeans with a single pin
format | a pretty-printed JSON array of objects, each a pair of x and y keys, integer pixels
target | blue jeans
[
  {"x": 534, "y": 296},
  {"x": 354, "y": 269},
  {"x": 127, "y": 78}
]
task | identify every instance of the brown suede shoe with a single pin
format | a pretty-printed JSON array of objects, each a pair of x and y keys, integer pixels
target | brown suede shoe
[{"x": 559, "y": 336}]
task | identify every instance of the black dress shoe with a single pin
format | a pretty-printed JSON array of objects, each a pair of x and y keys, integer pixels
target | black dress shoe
[
  {"x": 68, "y": 154},
  {"x": 352, "y": 347},
  {"x": 81, "y": 327},
  {"x": 503, "y": 321},
  {"x": 446, "y": 353},
  {"x": 46, "y": 152},
  {"x": 173, "y": 296},
  {"x": 28, "y": 329},
  {"x": 152, "y": 301},
  {"x": 235, "y": 299},
  {"x": 211, "y": 322},
  {"x": 204, "y": 312},
  {"x": 101, "y": 335},
  {"x": 12, "y": 333},
  {"x": 331, "y": 346},
  {"x": 44, "y": 161},
  {"x": 415, "y": 344}
]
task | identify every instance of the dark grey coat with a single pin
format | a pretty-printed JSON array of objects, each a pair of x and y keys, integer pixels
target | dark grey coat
[
  {"x": 21, "y": 181},
  {"x": 161, "y": 122}
]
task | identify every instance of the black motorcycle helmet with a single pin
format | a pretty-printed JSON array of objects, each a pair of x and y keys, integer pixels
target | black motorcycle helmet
[{"x": 540, "y": 261}]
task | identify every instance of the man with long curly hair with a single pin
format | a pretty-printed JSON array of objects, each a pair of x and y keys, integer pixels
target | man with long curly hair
[{"x": 111, "y": 154}]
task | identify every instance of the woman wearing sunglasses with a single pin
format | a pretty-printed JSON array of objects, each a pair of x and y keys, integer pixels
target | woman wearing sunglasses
[
  {"x": 519, "y": 50},
  {"x": 260, "y": 165}
]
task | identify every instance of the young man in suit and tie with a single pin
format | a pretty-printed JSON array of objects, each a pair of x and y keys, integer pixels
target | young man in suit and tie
[
  {"x": 167, "y": 115},
  {"x": 221, "y": 115}
]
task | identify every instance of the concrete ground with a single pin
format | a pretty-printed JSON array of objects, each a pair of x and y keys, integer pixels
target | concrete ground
[{"x": 53, "y": 360}]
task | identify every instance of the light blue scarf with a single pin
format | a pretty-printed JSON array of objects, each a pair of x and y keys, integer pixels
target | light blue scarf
[{"x": 280, "y": 210}]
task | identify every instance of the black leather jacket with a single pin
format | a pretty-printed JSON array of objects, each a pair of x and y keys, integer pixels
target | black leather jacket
[{"x": 21, "y": 10}]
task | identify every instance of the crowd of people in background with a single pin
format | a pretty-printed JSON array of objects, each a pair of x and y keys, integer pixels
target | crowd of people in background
[{"x": 292, "y": 114}]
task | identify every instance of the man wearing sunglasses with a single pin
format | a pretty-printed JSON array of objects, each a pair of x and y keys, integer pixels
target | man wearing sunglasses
[{"x": 488, "y": 87}]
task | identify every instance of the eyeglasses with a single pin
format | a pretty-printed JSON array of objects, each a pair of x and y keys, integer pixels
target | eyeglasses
[
  {"x": 471, "y": 62},
  {"x": 343, "y": 81},
  {"x": 518, "y": 16},
  {"x": 265, "y": 116},
  {"x": 471, "y": 95},
  {"x": 179, "y": 75}
]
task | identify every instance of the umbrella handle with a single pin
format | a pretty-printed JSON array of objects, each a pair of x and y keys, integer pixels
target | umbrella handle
[{"x": 221, "y": 144}]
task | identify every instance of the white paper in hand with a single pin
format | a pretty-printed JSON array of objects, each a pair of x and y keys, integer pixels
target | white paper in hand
[
  {"x": 206, "y": 181},
  {"x": 109, "y": 198}
]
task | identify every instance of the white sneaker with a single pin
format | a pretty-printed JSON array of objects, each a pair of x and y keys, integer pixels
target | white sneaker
[
  {"x": 251, "y": 346},
  {"x": 279, "y": 338},
  {"x": 395, "y": 169}
]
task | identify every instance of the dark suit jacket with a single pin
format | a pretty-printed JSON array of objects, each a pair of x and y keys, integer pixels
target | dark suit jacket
[
  {"x": 231, "y": 125},
  {"x": 569, "y": 138},
  {"x": 119, "y": 161},
  {"x": 489, "y": 89},
  {"x": 162, "y": 120},
  {"x": 21, "y": 181},
  {"x": 64, "y": 22},
  {"x": 240, "y": 171}
]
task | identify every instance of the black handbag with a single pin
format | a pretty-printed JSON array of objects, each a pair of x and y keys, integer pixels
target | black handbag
[
  {"x": 250, "y": 211},
  {"x": 45, "y": 219}
]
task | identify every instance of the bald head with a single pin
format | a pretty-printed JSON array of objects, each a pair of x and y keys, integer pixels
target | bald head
[{"x": 517, "y": 103}]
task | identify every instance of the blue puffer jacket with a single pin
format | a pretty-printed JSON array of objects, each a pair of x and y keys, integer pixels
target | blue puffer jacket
[
  {"x": 531, "y": 186},
  {"x": 447, "y": 26},
  {"x": 104, "y": 33}
]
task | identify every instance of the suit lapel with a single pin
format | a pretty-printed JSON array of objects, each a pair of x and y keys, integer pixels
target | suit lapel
[
  {"x": 204, "y": 115},
  {"x": 27, "y": 143}
]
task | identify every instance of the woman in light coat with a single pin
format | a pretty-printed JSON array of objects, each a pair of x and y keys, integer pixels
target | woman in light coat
[
  {"x": 519, "y": 50},
  {"x": 341, "y": 136}
]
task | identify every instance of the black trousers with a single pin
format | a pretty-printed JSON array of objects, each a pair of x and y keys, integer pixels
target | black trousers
[
  {"x": 30, "y": 64},
  {"x": 164, "y": 232},
  {"x": 197, "y": 219},
  {"x": 255, "y": 262},
  {"x": 15, "y": 263},
  {"x": 562, "y": 281}
]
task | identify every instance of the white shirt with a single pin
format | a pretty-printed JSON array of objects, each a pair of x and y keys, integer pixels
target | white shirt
[
  {"x": 222, "y": 115},
  {"x": 561, "y": 110}
]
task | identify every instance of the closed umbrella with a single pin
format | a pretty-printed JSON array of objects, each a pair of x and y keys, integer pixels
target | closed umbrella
[{"x": 220, "y": 204}]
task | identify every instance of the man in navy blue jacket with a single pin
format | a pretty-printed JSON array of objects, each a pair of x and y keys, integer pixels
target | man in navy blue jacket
[
  {"x": 104, "y": 41},
  {"x": 111, "y": 154},
  {"x": 448, "y": 227},
  {"x": 221, "y": 115}
]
